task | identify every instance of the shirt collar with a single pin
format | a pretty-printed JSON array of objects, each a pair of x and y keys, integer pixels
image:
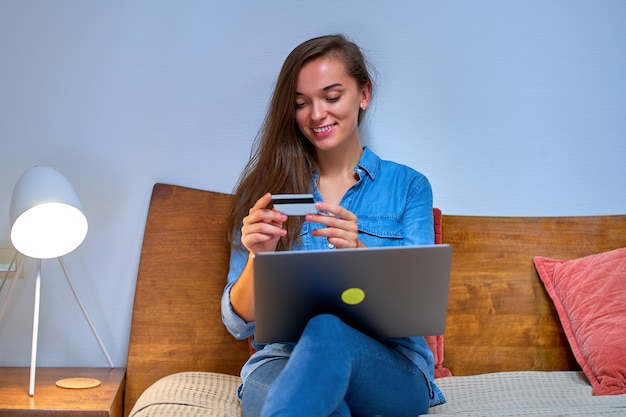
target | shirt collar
[{"x": 369, "y": 163}]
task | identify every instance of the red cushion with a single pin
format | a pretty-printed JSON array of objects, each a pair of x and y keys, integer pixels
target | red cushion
[
  {"x": 589, "y": 294},
  {"x": 436, "y": 342}
]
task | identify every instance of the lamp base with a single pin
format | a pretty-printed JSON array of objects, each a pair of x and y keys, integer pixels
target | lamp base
[{"x": 78, "y": 383}]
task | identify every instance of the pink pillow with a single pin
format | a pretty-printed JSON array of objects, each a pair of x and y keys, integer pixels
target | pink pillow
[
  {"x": 589, "y": 294},
  {"x": 435, "y": 343}
]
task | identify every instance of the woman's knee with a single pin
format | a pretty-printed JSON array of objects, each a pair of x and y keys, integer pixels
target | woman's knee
[
  {"x": 328, "y": 331},
  {"x": 328, "y": 324}
]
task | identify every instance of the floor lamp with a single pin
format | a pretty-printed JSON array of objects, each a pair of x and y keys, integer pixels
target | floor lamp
[{"x": 47, "y": 222}]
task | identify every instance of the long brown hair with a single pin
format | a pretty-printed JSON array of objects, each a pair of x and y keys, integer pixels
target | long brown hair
[{"x": 282, "y": 159}]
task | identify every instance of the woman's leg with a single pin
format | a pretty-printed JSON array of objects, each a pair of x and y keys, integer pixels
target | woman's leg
[
  {"x": 333, "y": 363},
  {"x": 259, "y": 383},
  {"x": 257, "y": 386}
]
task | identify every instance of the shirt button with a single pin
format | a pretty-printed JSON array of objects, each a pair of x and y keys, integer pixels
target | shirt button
[{"x": 331, "y": 246}]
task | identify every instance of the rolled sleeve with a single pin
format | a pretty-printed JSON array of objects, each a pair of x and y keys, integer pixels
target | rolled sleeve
[
  {"x": 237, "y": 326},
  {"x": 418, "y": 216}
]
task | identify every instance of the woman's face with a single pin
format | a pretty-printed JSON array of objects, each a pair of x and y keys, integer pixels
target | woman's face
[{"x": 327, "y": 103}]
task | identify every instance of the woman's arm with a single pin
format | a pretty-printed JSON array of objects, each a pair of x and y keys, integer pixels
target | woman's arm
[{"x": 260, "y": 232}]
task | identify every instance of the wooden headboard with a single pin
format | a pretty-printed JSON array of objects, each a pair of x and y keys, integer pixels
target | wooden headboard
[
  {"x": 176, "y": 324},
  {"x": 499, "y": 315}
]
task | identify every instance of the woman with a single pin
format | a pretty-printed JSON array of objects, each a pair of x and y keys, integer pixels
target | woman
[{"x": 309, "y": 143}]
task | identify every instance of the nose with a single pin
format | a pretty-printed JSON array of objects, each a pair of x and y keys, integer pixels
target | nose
[{"x": 318, "y": 110}]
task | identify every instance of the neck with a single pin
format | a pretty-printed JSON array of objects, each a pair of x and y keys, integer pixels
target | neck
[
  {"x": 337, "y": 173},
  {"x": 338, "y": 162}
]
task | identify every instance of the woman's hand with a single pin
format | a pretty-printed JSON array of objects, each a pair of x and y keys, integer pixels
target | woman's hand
[
  {"x": 341, "y": 225},
  {"x": 262, "y": 227}
]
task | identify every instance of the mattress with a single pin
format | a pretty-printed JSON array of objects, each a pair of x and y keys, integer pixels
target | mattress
[{"x": 500, "y": 394}]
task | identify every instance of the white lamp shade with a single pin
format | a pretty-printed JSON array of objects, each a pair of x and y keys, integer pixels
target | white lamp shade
[{"x": 46, "y": 215}]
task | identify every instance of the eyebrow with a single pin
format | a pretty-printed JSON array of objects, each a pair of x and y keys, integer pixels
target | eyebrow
[{"x": 329, "y": 87}]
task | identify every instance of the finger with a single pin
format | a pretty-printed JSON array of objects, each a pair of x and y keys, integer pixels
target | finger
[
  {"x": 333, "y": 222},
  {"x": 335, "y": 210},
  {"x": 260, "y": 233},
  {"x": 336, "y": 233},
  {"x": 343, "y": 244},
  {"x": 338, "y": 237},
  {"x": 265, "y": 216},
  {"x": 260, "y": 213},
  {"x": 262, "y": 202},
  {"x": 262, "y": 228}
]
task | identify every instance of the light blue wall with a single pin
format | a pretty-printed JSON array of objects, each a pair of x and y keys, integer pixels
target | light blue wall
[{"x": 509, "y": 107}]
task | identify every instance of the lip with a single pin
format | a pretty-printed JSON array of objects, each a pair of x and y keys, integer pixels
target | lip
[{"x": 323, "y": 130}]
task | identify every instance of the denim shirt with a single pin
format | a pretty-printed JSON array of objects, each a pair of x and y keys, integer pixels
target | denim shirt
[{"x": 393, "y": 205}]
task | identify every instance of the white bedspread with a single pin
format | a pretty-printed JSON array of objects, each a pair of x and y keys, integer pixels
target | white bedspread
[
  {"x": 503, "y": 394},
  {"x": 530, "y": 393}
]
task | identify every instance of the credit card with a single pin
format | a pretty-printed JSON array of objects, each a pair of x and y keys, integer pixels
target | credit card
[{"x": 294, "y": 204}]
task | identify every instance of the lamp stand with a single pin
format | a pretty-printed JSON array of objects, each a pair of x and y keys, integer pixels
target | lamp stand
[
  {"x": 33, "y": 357},
  {"x": 33, "y": 349},
  {"x": 93, "y": 329}
]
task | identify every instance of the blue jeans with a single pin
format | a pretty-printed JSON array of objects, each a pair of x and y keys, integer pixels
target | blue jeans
[{"x": 335, "y": 370}]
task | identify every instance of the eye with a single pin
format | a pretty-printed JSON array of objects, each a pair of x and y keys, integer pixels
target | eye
[
  {"x": 299, "y": 105},
  {"x": 333, "y": 99}
]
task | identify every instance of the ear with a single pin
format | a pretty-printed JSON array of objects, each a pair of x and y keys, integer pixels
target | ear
[{"x": 366, "y": 94}]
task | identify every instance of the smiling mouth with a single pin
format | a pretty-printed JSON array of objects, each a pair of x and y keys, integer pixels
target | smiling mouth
[{"x": 323, "y": 129}]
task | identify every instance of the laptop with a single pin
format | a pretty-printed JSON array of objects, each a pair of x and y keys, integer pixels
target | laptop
[{"x": 383, "y": 291}]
